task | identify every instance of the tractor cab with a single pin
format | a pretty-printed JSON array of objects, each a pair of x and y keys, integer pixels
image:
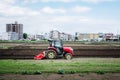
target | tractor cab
[{"x": 56, "y": 45}]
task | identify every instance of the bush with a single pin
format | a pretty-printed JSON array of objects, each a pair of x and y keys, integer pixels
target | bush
[
  {"x": 61, "y": 71},
  {"x": 73, "y": 72},
  {"x": 33, "y": 40},
  {"x": 24, "y": 72},
  {"x": 101, "y": 72},
  {"x": 37, "y": 72}
]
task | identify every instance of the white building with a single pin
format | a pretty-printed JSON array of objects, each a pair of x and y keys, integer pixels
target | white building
[
  {"x": 54, "y": 34},
  {"x": 66, "y": 37},
  {"x": 39, "y": 37},
  {"x": 10, "y": 36},
  {"x": 30, "y": 37},
  {"x": 63, "y": 36}
]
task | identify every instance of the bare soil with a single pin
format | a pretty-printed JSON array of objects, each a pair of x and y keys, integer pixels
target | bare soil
[{"x": 53, "y": 76}]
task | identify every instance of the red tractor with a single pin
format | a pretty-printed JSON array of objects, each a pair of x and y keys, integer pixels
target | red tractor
[{"x": 56, "y": 50}]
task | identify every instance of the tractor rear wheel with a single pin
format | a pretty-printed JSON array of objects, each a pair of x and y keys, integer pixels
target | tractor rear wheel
[
  {"x": 68, "y": 56},
  {"x": 51, "y": 54}
]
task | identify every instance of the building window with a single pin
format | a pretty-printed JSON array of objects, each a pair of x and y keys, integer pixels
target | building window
[{"x": 14, "y": 28}]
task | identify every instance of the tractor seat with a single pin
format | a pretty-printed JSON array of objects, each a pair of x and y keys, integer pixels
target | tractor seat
[{"x": 59, "y": 50}]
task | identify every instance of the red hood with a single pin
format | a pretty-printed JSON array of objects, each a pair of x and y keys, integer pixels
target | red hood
[{"x": 68, "y": 50}]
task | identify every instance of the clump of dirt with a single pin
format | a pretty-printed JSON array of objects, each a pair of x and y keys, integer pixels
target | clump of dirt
[{"x": 53, "y": 76}]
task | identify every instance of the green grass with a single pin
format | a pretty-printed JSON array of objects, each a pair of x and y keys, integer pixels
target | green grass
[
  {"x": 79, "y": 65},
  {"x": 24, "y": 41},
  {"x": 65, "y": 42}
]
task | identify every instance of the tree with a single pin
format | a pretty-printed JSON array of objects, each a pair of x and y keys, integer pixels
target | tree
[
  {"x": 25, "y": 35},
  {"x": 76, "y": 36}
]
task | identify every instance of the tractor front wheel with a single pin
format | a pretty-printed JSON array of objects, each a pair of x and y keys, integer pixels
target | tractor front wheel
[
  {"x": 51, "y": 54},
  {"x": 68, "y": 56}
]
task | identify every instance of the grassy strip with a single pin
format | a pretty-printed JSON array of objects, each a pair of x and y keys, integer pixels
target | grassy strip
[
  {"x": 82, "y": 65},
  {"x": 65, "y": 42}
]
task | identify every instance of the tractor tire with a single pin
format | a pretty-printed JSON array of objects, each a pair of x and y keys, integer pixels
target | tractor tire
[
  {"x": 51, "y": 54},
  {"x": 68, "y": 56}
]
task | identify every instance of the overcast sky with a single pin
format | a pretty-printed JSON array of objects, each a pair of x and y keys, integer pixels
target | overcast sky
[{"x": 70, "y": 16}]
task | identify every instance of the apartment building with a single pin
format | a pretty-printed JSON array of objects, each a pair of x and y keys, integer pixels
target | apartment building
[
  {"x": 15, "y": 27},
  {"x": 87, "y": 36},
  {"x": 9, "y": 36}
]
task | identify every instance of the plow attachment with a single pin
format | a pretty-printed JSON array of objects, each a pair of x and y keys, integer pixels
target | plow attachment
[{"x": 40, "y": 55}]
